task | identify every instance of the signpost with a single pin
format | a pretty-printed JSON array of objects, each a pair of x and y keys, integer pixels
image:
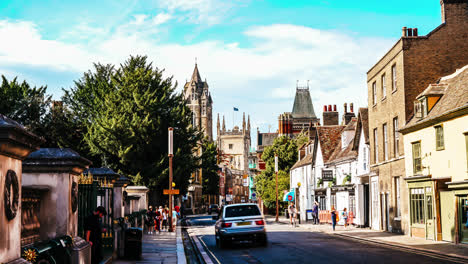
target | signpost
[
  {"x": 170, "y": 191},
  {"x": 276, "y": 171}
]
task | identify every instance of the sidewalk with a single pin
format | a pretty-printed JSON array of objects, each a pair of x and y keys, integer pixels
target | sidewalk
[
  {"x": 385, "y": 238},
  {"x": 164, "y": 247}
]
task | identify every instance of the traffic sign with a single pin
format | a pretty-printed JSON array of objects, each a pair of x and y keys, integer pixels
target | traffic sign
[{"x": 167, "y": 191}]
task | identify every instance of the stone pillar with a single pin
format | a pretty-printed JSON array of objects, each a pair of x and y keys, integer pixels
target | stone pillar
[
  {"x": 15, "y": 144},
  {"x": 57, "y": 171}
]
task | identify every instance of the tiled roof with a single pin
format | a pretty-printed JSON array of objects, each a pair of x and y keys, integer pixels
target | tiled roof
[
  {"x": 455, "y": 97},
  {"x": 340, "y": 154},
  {"x": 328, "y": 137},
  {"x": 303, "y": 107},
  {"x": 304, "y": 161}
]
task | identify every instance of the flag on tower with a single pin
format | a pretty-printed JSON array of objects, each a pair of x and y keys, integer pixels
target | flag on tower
[{"x": 236, "y": 109}]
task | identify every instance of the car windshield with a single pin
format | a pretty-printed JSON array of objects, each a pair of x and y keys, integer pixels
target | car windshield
[
  {"x": 214, "y": 205},
  {"x": 242, "y": 210}
]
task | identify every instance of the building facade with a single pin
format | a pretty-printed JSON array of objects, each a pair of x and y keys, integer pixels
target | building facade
[
  {"x": 234, "y": 149},
  {"x": 436, "y": 151},
  {"x": 198, "y": 98},
  {"x": 392, "y": 83}
]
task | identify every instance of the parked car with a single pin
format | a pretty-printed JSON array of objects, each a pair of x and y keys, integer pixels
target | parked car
[
  {"x": 240, "y": 222},
  {"x": 213, "y": 208}
]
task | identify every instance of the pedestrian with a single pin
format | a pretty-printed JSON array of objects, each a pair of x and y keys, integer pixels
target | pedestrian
[
  {"x": 344, "y": 214},
  {"x": 150, "y": 220},
  {"x": 174, "y": 218},
  {"x": 334, "y": 217},
  {"x": 315, "y": 213},
  {"x": 93, "y": 233},
  {"x": 177, "y": 209},
  {"x": 292, "y": 214},
  {"x": 157, "y": 220},
  {"x": 164, "y": 219}
]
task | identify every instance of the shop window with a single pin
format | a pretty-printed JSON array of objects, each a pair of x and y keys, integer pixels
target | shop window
[
  {"x": 323, "y": 203},
  {"x": 417, "y": 206},
  {"x": 352, "y": 204},
  {"x": 439, "y": 134},
  {"x": 417, "y": 168},
  {"x": 333, "y": 201}
]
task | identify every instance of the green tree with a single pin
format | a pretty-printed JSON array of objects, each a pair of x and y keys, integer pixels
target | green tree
[
  {"x": 210, "y": 178},
  {"x": 25, "y": 104},
  {"x": 126, "y": 112},
  {"x": 286, "y": 149}
]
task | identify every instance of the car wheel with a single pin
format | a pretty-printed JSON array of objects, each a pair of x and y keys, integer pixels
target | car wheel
[{"x": 263, "y": 241}]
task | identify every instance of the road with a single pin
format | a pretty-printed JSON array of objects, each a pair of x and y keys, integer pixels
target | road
[{"x": 295, "y": 245}]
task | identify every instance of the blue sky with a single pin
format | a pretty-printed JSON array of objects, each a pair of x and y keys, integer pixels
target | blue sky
[{"x": 251, "y": 51}]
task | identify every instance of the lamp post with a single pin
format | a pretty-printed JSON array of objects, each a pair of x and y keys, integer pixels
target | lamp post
[
  {"x": 171, "y": 154},
  {"x": 276, "y": 172}
]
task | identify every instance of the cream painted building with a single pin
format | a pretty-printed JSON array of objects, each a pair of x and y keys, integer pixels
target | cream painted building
[{"x": 436, "y": 151}]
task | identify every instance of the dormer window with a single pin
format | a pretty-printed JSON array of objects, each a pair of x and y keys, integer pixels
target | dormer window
[{"x": 420, "y": 108}]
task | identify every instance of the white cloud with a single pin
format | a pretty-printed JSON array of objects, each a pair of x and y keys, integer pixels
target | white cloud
[
  {"x": 161, "y": 18},
  {"x": 259, "y": 79},
  {"x": 207, "y": 12}
]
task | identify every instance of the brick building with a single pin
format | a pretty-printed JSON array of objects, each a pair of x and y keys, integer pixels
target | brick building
[{"x": 393, "y": 83}]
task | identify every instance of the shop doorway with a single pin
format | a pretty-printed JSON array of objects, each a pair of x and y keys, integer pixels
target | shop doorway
[
  {"x": 366, "y": 205},
  {"x": 447, "y": 214},
  {"x": 463, "y": 219}
]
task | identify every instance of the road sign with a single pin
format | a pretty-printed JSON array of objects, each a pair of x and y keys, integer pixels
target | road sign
[{"x": 167, "y": 191}]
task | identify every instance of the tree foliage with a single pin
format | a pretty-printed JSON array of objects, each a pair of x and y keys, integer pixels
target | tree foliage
[
  {"x": 286, "y": 149},
  {"x": 210, "y": 178},
  {"x": 25, "y": 104},
  {"x": 126, "y": 113}
]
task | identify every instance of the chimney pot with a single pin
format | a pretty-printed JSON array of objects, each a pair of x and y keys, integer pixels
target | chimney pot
[
  {"x": 410, "y": 32},
  {"x": 324, "y": 108},
  {"x": 345, "y": 108},
  {"x": 334, "y": 108},
  {"x": 415, "y": 32},
  {"x": 329, "y": 108},
  {"x": 404, "y": 31},
  {"x": 351, "y": 106}
]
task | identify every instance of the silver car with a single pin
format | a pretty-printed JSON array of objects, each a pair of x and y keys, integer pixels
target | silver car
[{"x": 240, "y": 222}]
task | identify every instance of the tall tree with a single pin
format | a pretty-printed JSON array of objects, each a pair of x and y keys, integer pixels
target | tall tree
[
  {"x": 210, "y": 177},
  {"x": 286, "y": 149},
  {"x": 127, "y": 112},
  {"x": 25, "y": 104}
]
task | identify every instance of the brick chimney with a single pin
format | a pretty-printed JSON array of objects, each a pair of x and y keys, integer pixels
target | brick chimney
[
  {"x": 452, "y": 10},
  {"x": 347, "y": 116},
  {"x": 330, "y": 118}
]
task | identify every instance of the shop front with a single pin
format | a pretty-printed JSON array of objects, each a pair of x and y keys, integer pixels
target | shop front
[{"x": 460, "y": 201}]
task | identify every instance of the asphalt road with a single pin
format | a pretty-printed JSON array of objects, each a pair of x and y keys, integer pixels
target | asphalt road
[{"x": 293, "y": 245}]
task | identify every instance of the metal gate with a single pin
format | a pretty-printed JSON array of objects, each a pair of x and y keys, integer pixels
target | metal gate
[{"x": 91, "y": 194}]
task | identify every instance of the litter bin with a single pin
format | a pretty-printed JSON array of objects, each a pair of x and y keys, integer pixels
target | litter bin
[
  {"x": 286, "y": 213},
  {"x": 133, "y": 242}
]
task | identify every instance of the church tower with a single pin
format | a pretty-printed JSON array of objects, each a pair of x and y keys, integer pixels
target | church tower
[{"x": 198, "y": 98}]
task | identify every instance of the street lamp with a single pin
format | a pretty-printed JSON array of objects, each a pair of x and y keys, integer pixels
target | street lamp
[
  {"x": 170, "y": 154},
  {"x": 276, "y": 172}
]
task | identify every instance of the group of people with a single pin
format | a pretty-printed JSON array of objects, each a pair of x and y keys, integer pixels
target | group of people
[
  {"x": 335, "y": 215},
  {"x": 335, "y": 218},
  {"x": 158, "y": 219}
]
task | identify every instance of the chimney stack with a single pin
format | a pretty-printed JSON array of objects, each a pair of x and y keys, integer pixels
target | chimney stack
[
  {"x": 347, "y": 116},
  {"x": 334, "y": 108},
  {"x": 330, "y": 117},
  {"x": 410, "y": 32},
  {"x": 345, "y": 108},
  {"x": 351, "y": 106},
  {"x": 404, "y": 32},
  {"x": 324, "y": 108},
  {"x": 415, "y": 32}
]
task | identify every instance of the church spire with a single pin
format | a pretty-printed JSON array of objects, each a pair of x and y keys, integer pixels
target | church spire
[
  {"x": 196, "y": 74},
  {"x": 224, "y": 125},
  {"x": 243, "y": 123},
  {"x": 217, "y": 125},
  {"x": 248, "y": 124}
]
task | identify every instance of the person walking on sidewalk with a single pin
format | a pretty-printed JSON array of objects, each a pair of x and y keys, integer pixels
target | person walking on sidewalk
[
  {"x": 174, "y": 218},
  {"x": 315, "y": 213},
  {"x": 164, "y": 219},
  {"x": 157, "y": 220},
  {"x": 93, "y": 233},
  {"x": 334, "y": 217},
  {"x": 292, "y": 214},
  {"x": 150, "y": 220},
  {"x": 344, "y": 214}
]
